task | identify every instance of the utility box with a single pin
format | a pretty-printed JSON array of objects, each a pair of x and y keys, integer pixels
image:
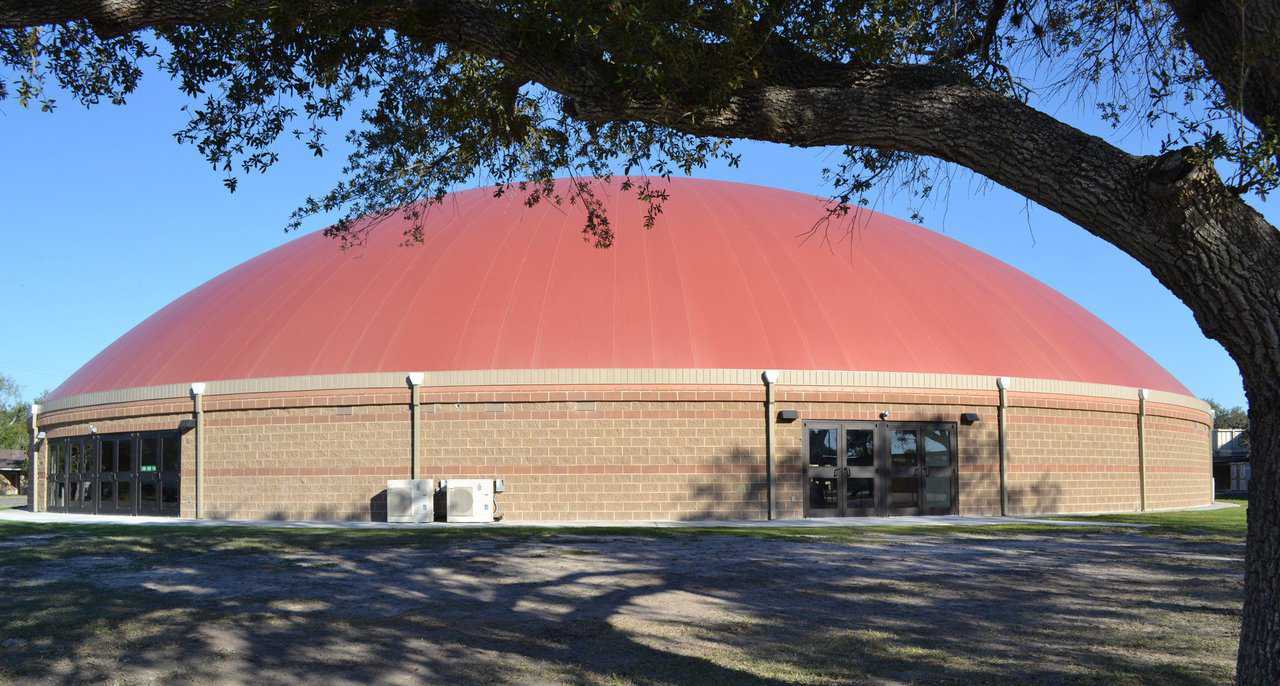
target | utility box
[
  {"x": 410, "y": 500},
  {"x": 468, "y": 500}
]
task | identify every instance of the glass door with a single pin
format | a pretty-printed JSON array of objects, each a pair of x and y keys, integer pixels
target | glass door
[
  {"x": 823, "y": 475},
  {"x": 89, "y": 475},
  {"x": 900, "y": 480},
  {"x": 107, "y": 476},
  {"x": 126, "y": 486},
  {"x": 75, "y": 483},
  {"x": 170, "y": 473},
  {"x": 859, "y": 490},
  {"x": 940, "y": 476},
  {"x": 149, "y": 475},
  {"x": 56, "y": 488}
]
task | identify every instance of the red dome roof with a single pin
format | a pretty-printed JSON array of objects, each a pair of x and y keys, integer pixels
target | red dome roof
[{"x": 725, "y": 280}]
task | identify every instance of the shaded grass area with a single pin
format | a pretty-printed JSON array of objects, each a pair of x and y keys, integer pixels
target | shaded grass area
[
  {"x": 1226, "y": 525},
  {"x": 1020, "y": 603},
  {"x": 68, "y": 539}
]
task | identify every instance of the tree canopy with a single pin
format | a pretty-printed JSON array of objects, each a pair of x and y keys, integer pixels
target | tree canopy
[
  {"x": 1228, "y": 417},
  {"x": 14, "y": 414},
  {"x": 523, "y": 92}
]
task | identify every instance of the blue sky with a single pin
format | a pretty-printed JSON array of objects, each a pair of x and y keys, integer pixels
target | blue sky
[{"x": 106, "y": 219}]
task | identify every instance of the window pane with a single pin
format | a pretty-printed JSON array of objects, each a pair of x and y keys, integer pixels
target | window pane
[
  {"x": 860, "y": 448},
  {"x": 169, "y": 496},
  {"x": 822, "y": 447},
  {"x": 937, "y": 492},
  {"x": 148, "y": 491},
  {"x": 937, "y": 448},
  {"x": 124, "y": 456},
  {"x": 108, "y": 456},
  {"x": 73, "y": 453},
  {"x": 55, "y": 457},
  {"x": 172, "y": 454},
  {"x": 89, "y": 459},
  {"x": 822, "y": 493},
  {"x": 148, "y": 455},
  {"x": 861, "y": 493},
  {"x": 124, "y": 495},
  {"x": 904, "y": 492},
  {"x": 902, "y": 448},
  {"x": 106, "y": 493}
]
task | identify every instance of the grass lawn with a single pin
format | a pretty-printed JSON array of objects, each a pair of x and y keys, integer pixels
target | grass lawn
[
  {"x": 1227, "y": 524},
  {"x": 1018, "y": 603}
]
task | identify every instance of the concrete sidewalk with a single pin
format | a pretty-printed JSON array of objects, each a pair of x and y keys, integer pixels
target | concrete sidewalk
[{"x": 14, "y": 515}]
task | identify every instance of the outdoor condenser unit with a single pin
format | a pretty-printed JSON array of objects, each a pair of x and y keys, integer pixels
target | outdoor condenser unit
[
  {"x": 468, "y": 500},
  {"x": 410, "y": 500}
]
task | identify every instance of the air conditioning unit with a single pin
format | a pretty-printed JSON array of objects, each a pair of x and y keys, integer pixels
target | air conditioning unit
[
  {"x": 468, "y": 500},
  {"x": 410, "y": 500}
]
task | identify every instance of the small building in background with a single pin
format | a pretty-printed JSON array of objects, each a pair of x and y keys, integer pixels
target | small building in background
[
  {"x": 1231, "y": 461},
  {"x": 12, "y": 471}
]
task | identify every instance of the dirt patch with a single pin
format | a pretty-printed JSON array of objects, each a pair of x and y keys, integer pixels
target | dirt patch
[{"x": 725, "y": 609}]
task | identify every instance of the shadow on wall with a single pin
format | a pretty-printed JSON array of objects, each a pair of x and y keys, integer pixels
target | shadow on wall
[
  {"x": 1044, "y": 496},
  {"x": 320, "y": 513},
  {"x": 740, "y": 492},
  {"x": 378, "y": 507},
  {"x": 454, "y": 607}
]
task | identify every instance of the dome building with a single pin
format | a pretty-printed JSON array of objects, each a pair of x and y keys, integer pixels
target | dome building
[{"x": 717, "y": 366}]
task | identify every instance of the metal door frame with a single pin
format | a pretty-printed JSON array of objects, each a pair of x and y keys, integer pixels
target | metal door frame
[{"x": 836, "y": 471}]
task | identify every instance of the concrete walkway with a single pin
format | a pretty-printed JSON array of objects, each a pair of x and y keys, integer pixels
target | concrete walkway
[{"x": 15, "y": 515}]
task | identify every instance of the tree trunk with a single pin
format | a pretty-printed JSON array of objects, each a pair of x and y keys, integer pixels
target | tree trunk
[{"x": 1258, "y": 660}]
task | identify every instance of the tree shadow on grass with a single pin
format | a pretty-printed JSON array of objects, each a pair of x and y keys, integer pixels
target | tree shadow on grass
[{"x": 594, "y": 608}]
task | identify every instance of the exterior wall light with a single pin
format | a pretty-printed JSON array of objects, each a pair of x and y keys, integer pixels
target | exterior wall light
[
  {"x": 968, "y": 418},
  {"x": 785, "y": 416}
]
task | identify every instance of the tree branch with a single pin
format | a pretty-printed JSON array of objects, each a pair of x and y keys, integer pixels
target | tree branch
[{"x": 1171, "y": 213}]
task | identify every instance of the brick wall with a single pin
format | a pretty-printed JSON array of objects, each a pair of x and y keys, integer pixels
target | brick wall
[
  {"x": 570, "y": 453},
  {"x": 589, "y": 454},
  {"x": 1178, "y": 457},
  {"x": 1072, "y": 460},
  {"x": 327, "y": 462}
]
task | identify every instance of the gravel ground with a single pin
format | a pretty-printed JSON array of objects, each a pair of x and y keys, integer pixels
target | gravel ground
[{"x": 1070, "y": 608}]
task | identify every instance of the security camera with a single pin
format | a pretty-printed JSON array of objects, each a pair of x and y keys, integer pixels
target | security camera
[
  {"x": 885, "y": 414},
  {"x": 40, "y": 436},
  {"x": 93, "y": 429}
]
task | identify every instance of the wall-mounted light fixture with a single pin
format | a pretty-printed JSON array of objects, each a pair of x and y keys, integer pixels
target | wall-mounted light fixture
[
  {"x": 93, "y": 429},
  {"x": 968, "y": 418},
  {"x": 885, "y": 415},
  {"x": 785, "y": 416},
  {"x": 41, "y": 436}
]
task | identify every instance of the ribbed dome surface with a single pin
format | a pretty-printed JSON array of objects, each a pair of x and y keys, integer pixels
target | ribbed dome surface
[{"x": 725, "y": 280}]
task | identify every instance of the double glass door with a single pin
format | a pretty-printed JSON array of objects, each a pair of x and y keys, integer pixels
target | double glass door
[{"x": 880, "y": 468}]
